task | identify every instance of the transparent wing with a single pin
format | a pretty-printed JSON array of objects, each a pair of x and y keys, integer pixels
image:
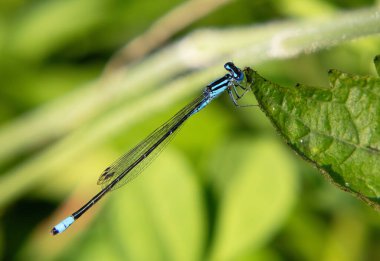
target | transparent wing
[{"x": 131, "y": 164}]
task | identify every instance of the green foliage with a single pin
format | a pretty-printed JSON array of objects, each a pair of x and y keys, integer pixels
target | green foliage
[
  {"x": 226, "y": 188},
  {"x": 255, "y": 199},
  {"x": 377, "y": 64},
  {"x": 336, "y": 128}
]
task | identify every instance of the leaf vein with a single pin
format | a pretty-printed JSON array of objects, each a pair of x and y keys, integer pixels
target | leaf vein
[{"x": 311, "y": 130}]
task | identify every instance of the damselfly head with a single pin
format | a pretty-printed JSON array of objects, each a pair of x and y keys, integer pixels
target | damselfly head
[{"x": 235, "y": 72}]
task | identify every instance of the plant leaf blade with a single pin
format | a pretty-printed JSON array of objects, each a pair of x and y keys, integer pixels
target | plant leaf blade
[{"x": 335, "y": 128}]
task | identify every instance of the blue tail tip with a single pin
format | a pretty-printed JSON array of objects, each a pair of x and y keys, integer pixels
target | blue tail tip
[
  {"x": 62, "y": 226},
  {"x": 54, "y": 231}
]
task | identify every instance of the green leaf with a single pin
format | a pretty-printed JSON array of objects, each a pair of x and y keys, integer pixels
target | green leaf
[
  {"x": 256, "y": 195},
  {"x": 335, "y": 128}
]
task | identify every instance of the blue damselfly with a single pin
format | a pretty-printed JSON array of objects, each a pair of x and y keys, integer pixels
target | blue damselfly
[{"x": 138, "y": 158}]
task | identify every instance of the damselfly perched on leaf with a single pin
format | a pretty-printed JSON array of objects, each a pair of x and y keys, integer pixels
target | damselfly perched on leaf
[{"x": 138, "y": 158}]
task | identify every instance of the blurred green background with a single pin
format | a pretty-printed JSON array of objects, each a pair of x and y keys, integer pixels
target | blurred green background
[{"x": 226, "y": 188}]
